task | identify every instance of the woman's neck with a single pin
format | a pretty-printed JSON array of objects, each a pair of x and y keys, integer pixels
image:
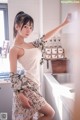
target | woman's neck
[{"x": 19, "y": 40}]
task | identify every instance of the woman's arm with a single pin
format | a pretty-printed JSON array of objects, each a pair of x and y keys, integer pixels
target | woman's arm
[
  {"x": 16, "y": 82},
  {"x": 13, "y": 60},
  {"x": 26, "y": 103},
  {"x": 57, "y": 29},
  {"x": 40, "y": 42}
]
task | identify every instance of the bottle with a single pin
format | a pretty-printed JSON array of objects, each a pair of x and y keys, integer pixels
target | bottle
[
  {"x": 54, "y": 49},
  {"x": 60, "y": 49},
  {"x": 69, "y": 17},
  {"x": 54, "y": 42},
  {"x": 50, "y": 43}
]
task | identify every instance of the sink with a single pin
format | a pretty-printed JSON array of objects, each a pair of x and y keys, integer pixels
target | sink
[
  {"x": 72, "y": 90},
  {"x": 62, "y": 77},
  {"x": 66, "y": 87},
  {"x": 69, "y": 90}
]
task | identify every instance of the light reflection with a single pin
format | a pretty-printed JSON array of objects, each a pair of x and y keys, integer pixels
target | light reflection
[{"x": 2, "y": 36}]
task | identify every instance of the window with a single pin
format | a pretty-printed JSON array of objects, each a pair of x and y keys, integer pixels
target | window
[
  {"x": 4, "y": 28},
  {"x": 70, "y": 1}
]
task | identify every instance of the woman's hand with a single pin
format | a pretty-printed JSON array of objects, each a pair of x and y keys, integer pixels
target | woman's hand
[
  {"x": 68, "y": 18},
  {"x": 26, "y": 103},
  {"x": 51, "y": 33}
]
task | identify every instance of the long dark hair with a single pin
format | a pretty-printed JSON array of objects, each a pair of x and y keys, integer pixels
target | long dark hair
[{"x": 22, "y": 18}]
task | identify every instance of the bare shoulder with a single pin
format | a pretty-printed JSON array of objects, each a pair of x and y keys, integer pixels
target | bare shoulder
[{"x": 13, "y": 51}]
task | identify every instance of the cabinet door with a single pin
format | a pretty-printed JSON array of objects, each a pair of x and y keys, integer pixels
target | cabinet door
[
  {"x": 65, "y": 114},
  {"x": 6, "y": 99}
]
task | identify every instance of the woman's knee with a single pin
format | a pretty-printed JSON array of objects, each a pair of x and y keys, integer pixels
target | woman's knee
[
  {"x": 48, "y": 111},
  {"x": 52, "y": 113}
]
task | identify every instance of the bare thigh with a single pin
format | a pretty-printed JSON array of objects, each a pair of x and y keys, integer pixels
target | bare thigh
[{"x": 31, "y": 119}]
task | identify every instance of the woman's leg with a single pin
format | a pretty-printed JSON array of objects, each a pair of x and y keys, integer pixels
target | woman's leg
[
  {"x": 31, "y": 119},
  {"x": 48, "y": 112}
]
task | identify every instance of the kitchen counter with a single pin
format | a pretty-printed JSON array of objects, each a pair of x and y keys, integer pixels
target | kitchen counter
[
  {"x": 2, "y": 81},
  {"x": 63, "y": 89},
  {"x": 68, "y": 103},
  {"x": 6, "y": 95},
  {"x": 62, "y": 95}
]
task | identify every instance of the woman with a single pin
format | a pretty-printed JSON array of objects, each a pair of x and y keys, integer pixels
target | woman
[{"x": 27, "y": 100}]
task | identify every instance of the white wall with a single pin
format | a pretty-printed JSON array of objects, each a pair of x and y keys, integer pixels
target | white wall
[
  {"x": 68, "y": 31},
  {"x": 51, "y": 14},
  {"x": 31, "y": 7}
]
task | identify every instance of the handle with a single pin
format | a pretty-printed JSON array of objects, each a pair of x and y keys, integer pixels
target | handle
[{"x": 47, "y": 64}]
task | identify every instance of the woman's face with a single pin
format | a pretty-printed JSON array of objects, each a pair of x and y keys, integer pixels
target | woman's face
[{"x": 26, "y": 30}]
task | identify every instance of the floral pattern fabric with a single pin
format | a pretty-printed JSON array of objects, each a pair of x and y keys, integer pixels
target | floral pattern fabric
[
  {"x": 39, "y": 43},
  {"x": 31, "y": 90}
]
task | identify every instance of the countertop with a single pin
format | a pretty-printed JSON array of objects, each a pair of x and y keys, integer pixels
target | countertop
[
  {"x": 63, "y": 92},
  {"x": 2, "y": 81},
  {"x": 60, "y": 89}
]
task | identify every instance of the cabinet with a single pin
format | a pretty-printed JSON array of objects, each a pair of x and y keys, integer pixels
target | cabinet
[
  {"x": 50, "y": 85},
  {"x": 67, "y": 105},
  {"x": 57, "y": 93},
  {"x": 6, "y": 99}
]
